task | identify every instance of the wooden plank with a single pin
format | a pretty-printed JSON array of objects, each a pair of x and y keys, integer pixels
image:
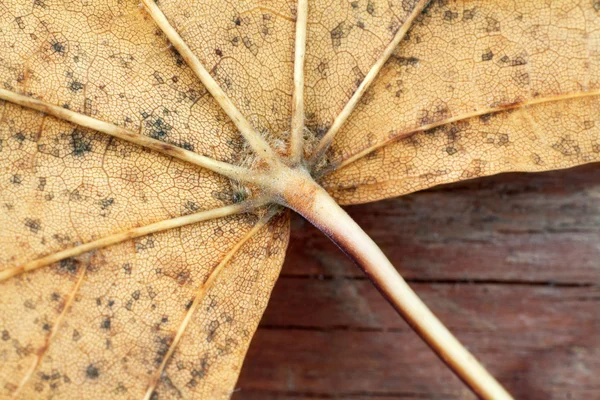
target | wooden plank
[
  {"x": 338, "y": 338},
  {"x": 515, "y": 227}
]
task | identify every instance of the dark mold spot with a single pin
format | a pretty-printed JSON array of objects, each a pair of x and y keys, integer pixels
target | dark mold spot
[
  {"x": 105, "y": 324},
  {"x": 371, "y": 8},
  {"x": 127, "y": 268},
  {"x": 487, "y": 56},
  {"x": 58, "y": 47},
  {"x": 69, "y": 265},
  {"x": 199, "y": 373},
  {"x": 92, "y": 372},
  {"x": 485, "y": 117},
  {"x": 468, "y": 14},
  {"x": 75, "y": 86},
  {"x": 177, "y": 57},
  {"x": 5, "y": 335},
  {"x": 41, "y": 184},
  {"x": 191, "y": 207},
  {"x": 34, "y": 225},
  {"x": 80, "y": 143},
  {"x": 341, "y": 31},
  {"x": 187, "y": 146},
  {"x": 144, "y": 243},
  {"x": 158, "y": 77},
  {"x": 249, "y": 44},
  {"x": 212, "y": 330},
  {"x": 16, "y": 179},
  {"x": 567, "y": 147},
  {"x": 406, "y": 61},
  {"x": 164, "y": 343},
  {"x": 136, "y": 295},
  {"x": 104, "y": 204},
  {"x": 450, "y": 15},
  {"x": 159, "y": 129}
]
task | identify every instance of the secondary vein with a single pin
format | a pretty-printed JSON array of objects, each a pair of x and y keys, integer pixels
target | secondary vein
[
  {"x": 226, "y": 169},
  {"x": 256, "y": 141},
  {"x": 132, "y": 234},
  {"x": 200, "y": 294},
  {"x": 366, "y": 83}
]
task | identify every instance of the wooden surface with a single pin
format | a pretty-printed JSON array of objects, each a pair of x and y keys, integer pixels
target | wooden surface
[{"x": 510, "y": 263}]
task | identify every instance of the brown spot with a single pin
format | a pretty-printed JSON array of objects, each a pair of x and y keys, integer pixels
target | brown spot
[
  {"x": 450, "y": 15},
  {"x": 487, "y": 56},
  {"x": 451, "y": 150}
]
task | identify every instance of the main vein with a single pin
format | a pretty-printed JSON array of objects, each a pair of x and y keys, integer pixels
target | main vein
[
  {"x": 297, "y": 128},
  {"x": 366, "y": 83},
  {"x": 256, "y": 141},
  {"x": 131, "y": 234},
  {"x": 490, "y": 110},
  {"x": 200, "y": 294},
  {"x": 228, "y": 170}
]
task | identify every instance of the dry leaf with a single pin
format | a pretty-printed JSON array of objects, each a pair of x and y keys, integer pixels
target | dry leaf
[{"x": 183, "y": 216}]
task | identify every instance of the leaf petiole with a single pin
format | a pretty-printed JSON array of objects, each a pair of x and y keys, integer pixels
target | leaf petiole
[{"x": 311, "y": 201}]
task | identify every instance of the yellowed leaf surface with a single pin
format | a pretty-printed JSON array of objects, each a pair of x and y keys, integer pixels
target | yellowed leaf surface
[
  {"x": 474, "y": 88},
  {"x": 100, "y": 325},
  {"x": 437, "y": 112}
]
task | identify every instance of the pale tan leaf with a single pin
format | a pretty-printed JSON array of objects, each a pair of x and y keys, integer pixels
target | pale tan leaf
[
  {"x": 248, "y": 47},
  {"x": 147, "y": 153},
  {"x": 97, "y": 325},
  {"x": 344, "y": 40},
  {"x": 436, "y": 114}
]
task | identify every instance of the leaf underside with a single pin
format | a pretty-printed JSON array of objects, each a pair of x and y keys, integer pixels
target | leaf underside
[{"x": 473, "y": 89}]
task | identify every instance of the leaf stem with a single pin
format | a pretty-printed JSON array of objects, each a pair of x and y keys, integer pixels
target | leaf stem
[
  {"x": 297, "y": 129},
  {"x": 316, "y": 205},
  {"x": 256, "y": 141},
  {"x": 228, "y": 170},
  {"x": 365, "y": 84},
  {"x": 132, "y": 234}
]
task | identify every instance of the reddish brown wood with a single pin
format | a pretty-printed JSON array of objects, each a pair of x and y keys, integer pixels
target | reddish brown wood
[{"x": 510, "y": 263}]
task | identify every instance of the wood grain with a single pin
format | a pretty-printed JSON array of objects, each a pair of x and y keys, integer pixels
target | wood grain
[{"x": 509, "y": 263}]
